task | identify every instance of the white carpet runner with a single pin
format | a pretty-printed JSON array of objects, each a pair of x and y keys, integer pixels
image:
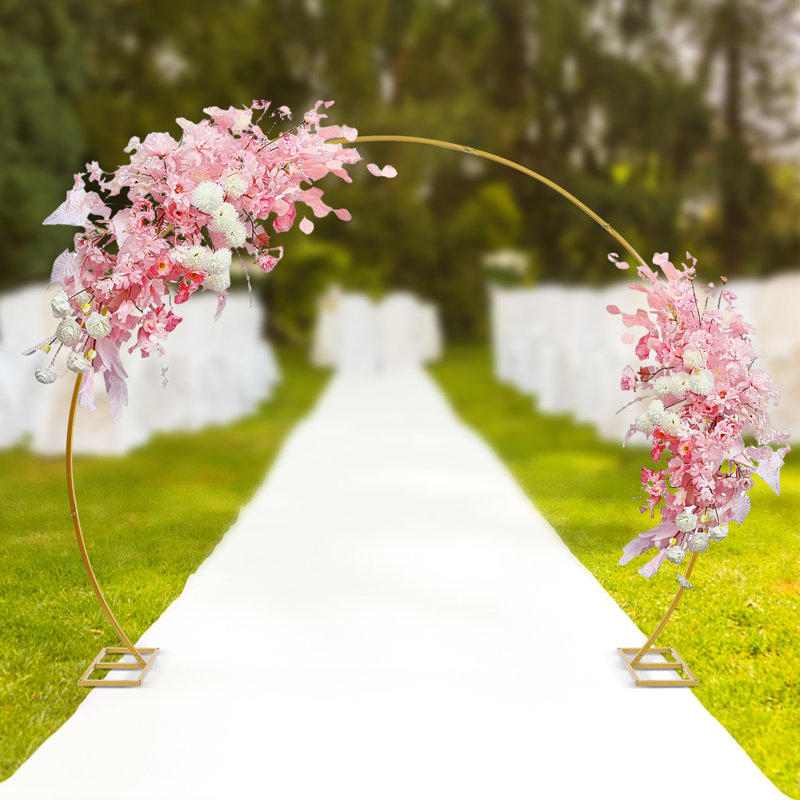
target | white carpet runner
[{"x": 389, "y": 618}]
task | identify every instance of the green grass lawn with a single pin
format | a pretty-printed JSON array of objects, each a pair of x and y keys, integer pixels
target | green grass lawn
[
  {"x": 739, "y": 628},
  {"x": 149, "y": 519}
]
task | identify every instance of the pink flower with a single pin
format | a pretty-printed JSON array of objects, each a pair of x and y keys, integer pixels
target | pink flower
[
  {"x": 628, "y": 381},
  {"x": 708, "y": 408}
]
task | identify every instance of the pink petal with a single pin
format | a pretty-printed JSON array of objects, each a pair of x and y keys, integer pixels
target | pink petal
[
  {"x": 387, "y": 172},
  {"x": 306, "y": 225},
  {"x": 343, "y": 214},
  {"x": 627, "y": 338}
]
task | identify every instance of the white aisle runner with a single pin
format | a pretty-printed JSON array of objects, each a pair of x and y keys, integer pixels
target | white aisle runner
[{"x": 389, "y": 618}]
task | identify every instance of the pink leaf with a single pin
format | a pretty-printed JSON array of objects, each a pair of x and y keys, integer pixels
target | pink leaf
[
  {"x": 740, "y": 507},
  {"x": 653, "y": 565},
  {"x": 117, "y": 391},
  {"x": 634, "y": 548},
  {"x": 64, "y": 268},
  {"x": 769, "y": 465},
  {"x": 86, "y": 394}
]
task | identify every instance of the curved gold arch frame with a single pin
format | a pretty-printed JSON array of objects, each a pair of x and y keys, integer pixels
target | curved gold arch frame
[{"x": 143, "y": 665}]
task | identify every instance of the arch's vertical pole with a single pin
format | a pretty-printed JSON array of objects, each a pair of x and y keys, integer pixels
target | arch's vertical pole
[
  {"x": 140, "y": 663},
  {"x": 674, "y": 662}
]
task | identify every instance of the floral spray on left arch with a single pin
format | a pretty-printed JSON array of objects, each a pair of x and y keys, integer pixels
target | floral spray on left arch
[
  {"x": 704, "y": 396},
  {"x": 181, "y": 209}
]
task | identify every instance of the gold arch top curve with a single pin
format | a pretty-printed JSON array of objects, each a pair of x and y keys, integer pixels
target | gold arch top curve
[{"x": 508, "y": 163}]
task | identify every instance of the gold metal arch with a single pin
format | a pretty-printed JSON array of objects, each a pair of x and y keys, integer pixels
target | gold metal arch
[{"x": 143, "y": 665}]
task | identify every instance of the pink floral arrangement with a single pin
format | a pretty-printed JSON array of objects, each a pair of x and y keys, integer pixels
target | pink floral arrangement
[
  {"x": 704, "y": 398},
  {"x": 166, "y": 225}
]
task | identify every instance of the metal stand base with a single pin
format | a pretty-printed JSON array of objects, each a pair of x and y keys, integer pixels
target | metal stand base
[
  {"x": 677, "y": 664},
  {"x": 99, "y": 664}
]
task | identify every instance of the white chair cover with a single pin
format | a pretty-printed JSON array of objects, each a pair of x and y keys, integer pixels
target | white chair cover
[
  {"x": 356, "y": 334},
  {"x": 776, "y": 303},
  {"x": 323, "y": 348},
  {"x": 25, "y": 319},
  {"x": 431, "y": 333},
  {"x": 399, "y": 322}
]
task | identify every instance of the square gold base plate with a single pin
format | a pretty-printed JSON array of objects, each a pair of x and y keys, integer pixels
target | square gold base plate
[
  {"x": 148, "y": 653},
  {"x": 673, "y": 662}
]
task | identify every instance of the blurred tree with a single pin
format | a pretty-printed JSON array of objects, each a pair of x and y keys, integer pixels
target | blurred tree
[
  {"x": 650, "y": 112},
  {"x": 41, "y": 137}
]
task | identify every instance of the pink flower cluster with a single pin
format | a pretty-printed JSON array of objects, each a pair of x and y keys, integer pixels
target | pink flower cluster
[
  {"x": 166, "y": 224},
  {"x": 703, "y": 397}
]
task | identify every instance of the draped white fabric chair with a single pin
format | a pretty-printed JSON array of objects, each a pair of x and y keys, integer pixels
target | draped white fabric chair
[
  {"x": 356, "y": 339},
  {"x": 430, "y": 334},
  {"x": 507, "y": 315},
  {"x": 12, "y": 394},
  {"x": 355, "y": 335},
  {"x": 323, "y": 348},
  {"x": 25, "y": 319},
  {"x": 776, "y": 303},
  {"x": 399, "y": 325}
]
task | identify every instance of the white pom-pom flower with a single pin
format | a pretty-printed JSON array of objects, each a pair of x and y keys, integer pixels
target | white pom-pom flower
[
  {"x": 672, "y": 425},
  {"x": 644, "y": 424},
  {"x": 224, "y": 218},
  {"x": 655, "y": 412},
  {"x": 677, "y": 383},
  {"x": 661, "y": 386},
  {"x": 217, "y": 282},
  {"x": 235, "y": 185},
  {"x": 68, "y": 332},
  {"x": 196, "y": 258},
  {"x": 701, "y": 382},
  {"x": 236, "y": 236},
  {"x": 208, "y": 196},
  {"x": 60, "y": 304},
  {"x": 692, "y": 358},
  {"x": 219, "y": 261},
  {"x": 97, "y": 325}
]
